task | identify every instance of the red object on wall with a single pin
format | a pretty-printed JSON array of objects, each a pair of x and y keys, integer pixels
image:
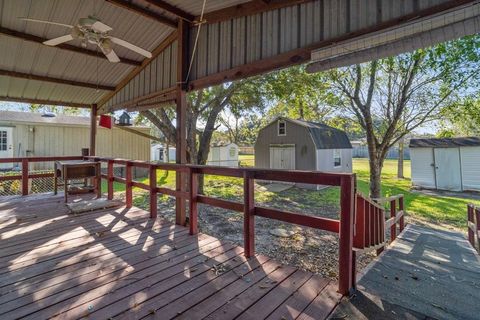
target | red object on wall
[{"x": 105, "y": 121}]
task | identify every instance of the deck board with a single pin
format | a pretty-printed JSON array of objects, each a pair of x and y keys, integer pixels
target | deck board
[{"x": 118, "y": 263}]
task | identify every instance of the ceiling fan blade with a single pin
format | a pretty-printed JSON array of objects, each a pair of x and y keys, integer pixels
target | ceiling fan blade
[
  {"x": 132, "y": 47},
  {"x": 46, "y": 22},
  {"x": 110, "y": 54},
  {"x": 57, "y": 41},
  {"x": 99, "y": 26}
]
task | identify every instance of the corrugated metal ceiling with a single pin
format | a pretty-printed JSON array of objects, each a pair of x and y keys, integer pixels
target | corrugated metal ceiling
[{"x": 33, "y": 58}]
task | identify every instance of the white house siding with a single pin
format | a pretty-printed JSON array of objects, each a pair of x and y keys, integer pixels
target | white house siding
[
  {"x": 325, "y": 160},
  {"x": 470, "y": 163},
  {"x": 57, "y": 140},
  {"x": 423, "y": 174}
]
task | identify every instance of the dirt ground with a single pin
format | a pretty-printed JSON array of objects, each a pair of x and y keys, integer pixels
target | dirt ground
[{"x": 306, "y": 248}]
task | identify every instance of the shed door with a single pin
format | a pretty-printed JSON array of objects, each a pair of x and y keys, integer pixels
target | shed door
[
  {"x": 6, "y": 146},
  {"x": 282, "y": 157},
  {"x": 423, "y": 167},
  {"x": 447, "y": 169}
]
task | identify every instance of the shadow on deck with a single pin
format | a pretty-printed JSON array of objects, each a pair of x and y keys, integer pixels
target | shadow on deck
[
  {"x": 426, "y": 273},
  {"x": 119, "y": 264}
]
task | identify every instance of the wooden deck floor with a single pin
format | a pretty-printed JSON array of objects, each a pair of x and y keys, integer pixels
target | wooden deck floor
[{"x": 119, "y": 264}]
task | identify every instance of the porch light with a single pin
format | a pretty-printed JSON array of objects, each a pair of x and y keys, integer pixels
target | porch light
[{"x": 125, "y": 119}]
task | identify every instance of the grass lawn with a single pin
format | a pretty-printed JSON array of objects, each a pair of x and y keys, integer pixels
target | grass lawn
[{"x": 444, "y": 210}]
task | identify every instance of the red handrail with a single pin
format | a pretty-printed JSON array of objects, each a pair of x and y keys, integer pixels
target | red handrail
[
  {"x": 370, "y": 224},
  {"x": 343, "y": 226}
]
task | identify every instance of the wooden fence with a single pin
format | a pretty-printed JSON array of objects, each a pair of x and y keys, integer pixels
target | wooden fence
[{"x": 361, "y": 225}]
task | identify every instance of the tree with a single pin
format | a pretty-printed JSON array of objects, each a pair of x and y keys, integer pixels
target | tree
[
  {"x": 203, "y": 110},
  {"x": 392, "y": 97},
  {"x": 462, "y": 118},
  {"x": 298, "y": 95}
]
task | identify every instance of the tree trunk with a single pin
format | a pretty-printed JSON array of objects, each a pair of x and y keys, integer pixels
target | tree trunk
[
  {"x": 400, "y": 159},
  {"x": 375, "y": 178}
]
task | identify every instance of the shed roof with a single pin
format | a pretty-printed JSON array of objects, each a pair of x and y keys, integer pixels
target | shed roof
[
  {"x": 323, "y": 136},
  {"x": 29, "y": 117},
  {"x": 445, "y": 142}
]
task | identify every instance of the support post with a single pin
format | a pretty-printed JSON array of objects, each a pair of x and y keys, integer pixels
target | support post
[
  {"x": 193, "y": 206},
  {"x": 93, "y": 128},
  {"x": 470, "y": 223},
  {"x": 110, "y": 179},
  {"x": 401, "y": 207},
  {"x": 128, "y": 186},
  {"x": 345, "y": 256},
  {"x": 477, "y": 229},
  {"x": 24, "y": 177},
  {"x": 181, "y": 110},
  {"x": 248, "y": 214},
  {"x": 153, "y": 192},
  {"x": 393, "y": 214}
]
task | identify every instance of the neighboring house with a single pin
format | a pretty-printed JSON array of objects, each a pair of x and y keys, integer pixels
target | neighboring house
[
  {"x": 25, "y": 134},
  {"x": 223, "y": 155},
  {"x": 446, "y": 164},
  {"x": 159, "y": 153},
  {"x": 302, "y": 145}
]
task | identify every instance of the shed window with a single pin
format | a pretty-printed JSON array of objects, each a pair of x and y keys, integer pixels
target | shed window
[
  {"x": 3, "y": 140},
  {"x": 337, "y": 158},
  {"x": 282, "y": 128},
  {"x": 232, "y": 152}
]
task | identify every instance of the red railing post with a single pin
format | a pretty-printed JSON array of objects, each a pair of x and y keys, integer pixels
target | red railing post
[
  {"x": 477, "y": 229},
  {"x": 401, "y": 208},
  {"x": 470, "y": 224},
  {"x": 345, "y": 256},
  {"x": 393, "y": 214},
  {"x": 153, "y": 191},
  {"x": 110, "y": 179},
  {"x": 24, "y": 176},
  {"x": 193, "y": 206},
  {"x": 249, "y": 214},
  {"x": 128, "y": 185}
]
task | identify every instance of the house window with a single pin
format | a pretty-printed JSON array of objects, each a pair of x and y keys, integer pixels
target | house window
[
  {"x": 3, "y": 140},
  {"x": 337, "y": 158},
  {"x": 282, "y": 128}
]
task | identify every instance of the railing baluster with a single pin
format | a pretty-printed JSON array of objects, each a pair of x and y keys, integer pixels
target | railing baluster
[
  {"x": 477, "y": 229},
  {"x": 110, "y": 179},
  {"x": 393, "y": 214},
  {"x": 153, "y": 191},
  {"x": 401, "y": 208},
  {"x": 24, "y": 176},
  {"x": 128, "y": 185},
  {"x": 249, "y": 214},
  {"x": 193, "y": 205}
]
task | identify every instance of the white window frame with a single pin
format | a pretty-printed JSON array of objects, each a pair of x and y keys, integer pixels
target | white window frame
[
  {"x": 284, "y": 127},
  {"x": 335, "y": 153}
]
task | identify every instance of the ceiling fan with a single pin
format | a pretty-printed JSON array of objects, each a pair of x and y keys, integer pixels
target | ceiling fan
[{"x": 92, "y": 30}]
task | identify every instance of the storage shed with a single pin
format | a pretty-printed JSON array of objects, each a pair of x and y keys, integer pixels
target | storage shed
[
  {"x": 302, "y": 145},
  {"x": 160, "y": 151},
  {"x": 223, "y": 155},
  {"x": 25, "y": 134},
  {"x": 446, "y": 164}
]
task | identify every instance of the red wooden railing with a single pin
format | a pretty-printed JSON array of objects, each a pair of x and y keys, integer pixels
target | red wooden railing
[
  {"x": 24, "y": 175},
  {"x": 473, "y": 224},
  {"x": 344, "y": 226},
  {"x": 361, "y": 225}
]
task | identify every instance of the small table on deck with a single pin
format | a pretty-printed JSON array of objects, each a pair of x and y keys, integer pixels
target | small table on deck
[{"x": 78, "y": 169}]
